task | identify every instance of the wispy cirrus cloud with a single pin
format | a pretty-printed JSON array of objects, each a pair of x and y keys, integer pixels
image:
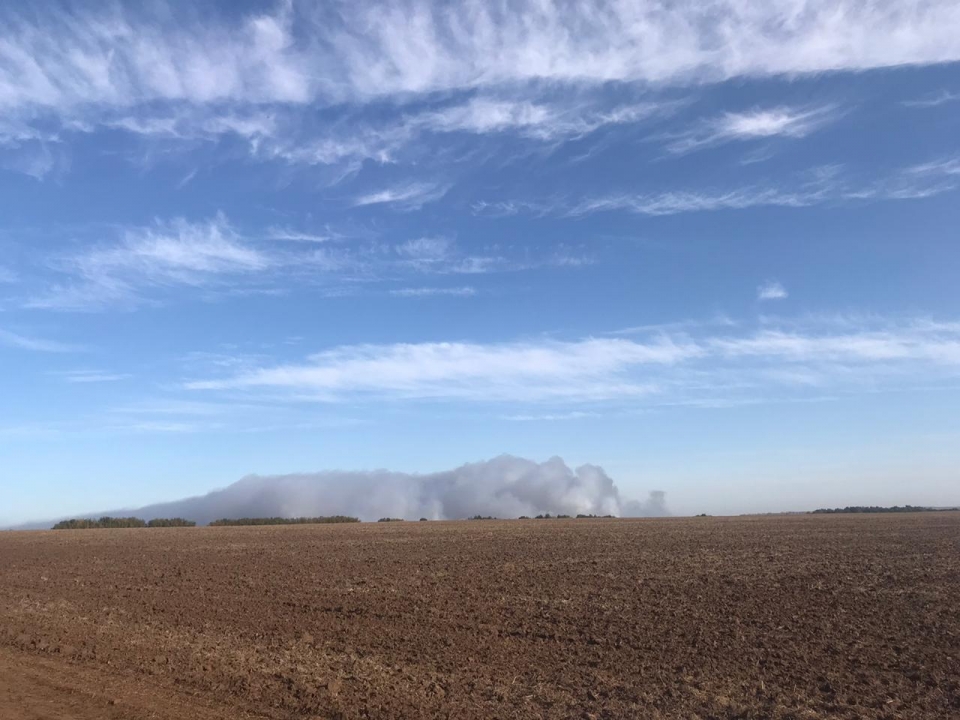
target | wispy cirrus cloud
[
  {"x": 297, "y": 53},
  {"x": 758, "y": 124},
  {"x": 162, "y": 71},
  {"x": 176, "y": 253},
  {"x": 676, "y": 367},
  {"x": 547, "y": 121},
  {"x": 941, "y": 98},
  {"x": 28, "y": 342},
  {"x": 90, "y": 376},
  {"x": 213, "y": 260},
  {"x": 945, "y": 167},
  {"x": 822, "y": 185}
]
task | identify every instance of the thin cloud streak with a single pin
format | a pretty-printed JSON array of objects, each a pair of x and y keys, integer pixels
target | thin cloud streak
[
  {"x": 409, "y": 196},
  {"x": 415, "y": 292},
  {"x": 941, "y": 98},
  {"x": 541, "y": 121}
]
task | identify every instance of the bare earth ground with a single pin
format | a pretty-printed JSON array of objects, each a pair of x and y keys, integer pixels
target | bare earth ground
[{"x": 774, "y": 617}]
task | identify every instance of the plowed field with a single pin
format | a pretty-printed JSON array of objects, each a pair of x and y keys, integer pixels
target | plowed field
[{"x": 773, "y": 617}]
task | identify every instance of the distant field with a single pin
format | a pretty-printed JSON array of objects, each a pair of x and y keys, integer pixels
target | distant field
[{"x": 840, "y": 616}]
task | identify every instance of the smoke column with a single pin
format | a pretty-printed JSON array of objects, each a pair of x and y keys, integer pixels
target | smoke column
[{"x": 505, "y": 487}]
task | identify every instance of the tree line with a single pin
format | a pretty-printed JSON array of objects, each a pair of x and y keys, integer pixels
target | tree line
[
  {"x": 120, "y": 522},
  {"x": 874, "y": 509},
  {"x": 229, "y": 522}
]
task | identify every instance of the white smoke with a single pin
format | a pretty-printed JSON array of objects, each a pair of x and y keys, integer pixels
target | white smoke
[{"x": 504, "y": 487}]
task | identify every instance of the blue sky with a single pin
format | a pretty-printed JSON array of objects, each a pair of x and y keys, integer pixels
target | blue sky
[{"x": 712, "y": 249}]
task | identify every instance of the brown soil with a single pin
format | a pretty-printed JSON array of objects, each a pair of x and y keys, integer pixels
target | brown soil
[{"x": 773, "y": 617}]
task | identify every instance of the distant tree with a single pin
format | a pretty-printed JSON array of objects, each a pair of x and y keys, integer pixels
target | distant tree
[
  {"x": 423, "y": 520},
  {"x": 75, "y": 524},
  {"x": 389, "y": 519},
  {"x": 171, "y": 522}
]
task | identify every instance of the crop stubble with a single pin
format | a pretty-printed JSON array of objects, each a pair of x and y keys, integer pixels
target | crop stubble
[{"x": 759, "y": 617}]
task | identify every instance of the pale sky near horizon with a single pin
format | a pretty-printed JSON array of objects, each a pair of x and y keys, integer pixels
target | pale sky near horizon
[{"x": 711, "y": 248}]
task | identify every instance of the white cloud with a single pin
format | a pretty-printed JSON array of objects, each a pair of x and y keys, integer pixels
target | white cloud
[
  {"x": 121, "y": 58},
  {"x": 159, "y": 71},
  {"x": 771, "y": 290},
  {"x": 753, "y": 125},
  {"x": 190, "y": 124},
  {"x": 166, "y": 254},
  {"x": 465, "y": 291},
  {"x": 418, "y": 46},
  {"x": 26, "y": 342},
  {"x": 726, "y": 365},
  {"x": 449, "y": 370},
  {"x": 298, "y": 53},
  {"x": 7, "y": 276},
  {"x": 407, "y": 196}
]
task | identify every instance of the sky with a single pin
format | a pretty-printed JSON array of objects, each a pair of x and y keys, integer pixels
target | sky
[{"x": 711, "y": 248}]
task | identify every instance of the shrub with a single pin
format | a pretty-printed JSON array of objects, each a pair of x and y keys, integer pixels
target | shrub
[
  {"x": 423, "y": 520},
  {"x": 390, "y": 520},
  {"x": 482, "y": 517}
]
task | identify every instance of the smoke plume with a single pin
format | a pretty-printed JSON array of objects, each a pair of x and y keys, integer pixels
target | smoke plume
[{"x": 505, "y": 487}]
